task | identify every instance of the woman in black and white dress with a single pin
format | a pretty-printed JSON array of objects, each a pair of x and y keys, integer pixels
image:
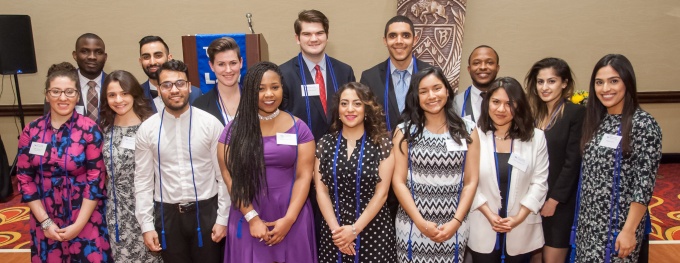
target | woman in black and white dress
[
  {"x": 435, "y": 175},
  {"x": 354, "y": 169}
]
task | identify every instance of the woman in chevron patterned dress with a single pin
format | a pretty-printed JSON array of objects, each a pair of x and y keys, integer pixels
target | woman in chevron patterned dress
[{"x": 435, "y": 151}]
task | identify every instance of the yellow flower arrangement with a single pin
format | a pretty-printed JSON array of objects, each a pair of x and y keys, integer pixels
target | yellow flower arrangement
[{"x": 580, "y": 97}]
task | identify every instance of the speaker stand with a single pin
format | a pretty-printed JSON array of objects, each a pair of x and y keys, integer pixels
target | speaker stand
[{"x": 21, "y": 107}]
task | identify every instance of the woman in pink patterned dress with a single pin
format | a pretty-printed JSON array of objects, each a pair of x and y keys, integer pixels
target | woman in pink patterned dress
[{"x": 61, "y": 177}]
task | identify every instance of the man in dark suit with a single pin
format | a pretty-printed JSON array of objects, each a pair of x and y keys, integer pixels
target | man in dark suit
[
  {"x": 399, "y": 38},
  {"x": 153, "y": 52},
  {"x": 483, "y": 67},
  {"x": 90, "y": 55},
  {"x": 321, "y": 74}
]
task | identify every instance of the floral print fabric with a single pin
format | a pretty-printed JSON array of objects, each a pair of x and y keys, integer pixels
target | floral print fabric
[{"x": 70, "y": 169}]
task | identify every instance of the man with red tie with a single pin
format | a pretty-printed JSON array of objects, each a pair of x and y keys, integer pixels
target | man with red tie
[
  {"x": 311, "y": 78},
  {"x": 310, "y": 81}
]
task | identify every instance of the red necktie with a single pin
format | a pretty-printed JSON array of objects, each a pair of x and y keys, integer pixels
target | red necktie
[{"x": 322, "y": 87}]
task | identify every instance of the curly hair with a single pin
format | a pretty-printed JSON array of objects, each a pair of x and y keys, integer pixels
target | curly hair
[
  {"x": 140, "y": 105},
  {"x": 375, "y": 126},
  {"x": 414, "y": 116},
  {"x": 245, "y": 161},
  {"x": 63, "y": 69}
]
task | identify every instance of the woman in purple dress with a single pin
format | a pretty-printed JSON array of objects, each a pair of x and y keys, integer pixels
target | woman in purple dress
[
  {"x": 61, "y": 177},
  {"x": 268, "y": 171}
]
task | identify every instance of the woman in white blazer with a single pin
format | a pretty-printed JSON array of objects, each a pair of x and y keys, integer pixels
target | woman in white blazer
[{"x": 509, "y": 145}]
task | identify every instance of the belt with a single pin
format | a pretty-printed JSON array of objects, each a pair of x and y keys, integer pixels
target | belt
[{"x": 186, "y": 207}]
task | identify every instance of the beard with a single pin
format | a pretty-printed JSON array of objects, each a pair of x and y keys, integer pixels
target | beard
[
  {"x": 174, "y": 107},
  {"x": 151, "y": 75}
]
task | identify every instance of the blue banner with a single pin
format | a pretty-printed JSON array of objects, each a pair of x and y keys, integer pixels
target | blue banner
[{"x": 205, "y": 74}]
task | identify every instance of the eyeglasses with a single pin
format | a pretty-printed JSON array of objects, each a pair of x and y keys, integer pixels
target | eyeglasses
[
  {"x": 180, "y": 84},
  {"x": 56, "y": 93}
]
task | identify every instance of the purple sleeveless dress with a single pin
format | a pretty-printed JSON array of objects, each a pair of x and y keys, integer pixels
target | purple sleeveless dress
[{"x": 299, "y": 245}]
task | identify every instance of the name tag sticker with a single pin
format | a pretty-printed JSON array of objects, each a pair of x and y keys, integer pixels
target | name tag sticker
[
  {"x": 80, "y": 110},
  {"x": 128, "y": 143},
  {"x": 452, "y": 146},
  {"x": 610, "y": 140},
  {"x": 312, "y": 90},
  {"x": 518, "y": 162},
  {"x": 38, "y": 148},
  {"x": 286, "y": 139}
]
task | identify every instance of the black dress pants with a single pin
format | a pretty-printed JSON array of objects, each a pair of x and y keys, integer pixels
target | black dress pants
[{"x": 181, "y": 235}]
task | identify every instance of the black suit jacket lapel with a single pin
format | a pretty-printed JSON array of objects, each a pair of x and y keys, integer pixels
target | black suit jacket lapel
[
  {"x": 330, "y": 87},
  {"x": 392, "y": 97},
  {"x": 214, "y": 107}
]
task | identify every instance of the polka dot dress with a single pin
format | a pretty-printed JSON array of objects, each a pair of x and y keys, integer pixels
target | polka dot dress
[{"x": 377, "y": 239}]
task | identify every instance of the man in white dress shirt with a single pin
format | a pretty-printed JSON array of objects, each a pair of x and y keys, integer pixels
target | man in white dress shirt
[
  {"x": 90, "y": 55},
  {"x": 177, "y": 176},
  {"x": 483, "y": 67}
]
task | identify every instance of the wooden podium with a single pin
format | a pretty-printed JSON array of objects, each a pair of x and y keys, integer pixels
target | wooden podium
[{"x": 256, "y": 51}]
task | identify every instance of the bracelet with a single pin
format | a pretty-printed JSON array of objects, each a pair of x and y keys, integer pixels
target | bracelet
[
  {"x": 45, "y": 224},
  {"x": 461, "y": 222},
  {"x": 354, "y": 230},
  {"x": 250, "y": 215}
]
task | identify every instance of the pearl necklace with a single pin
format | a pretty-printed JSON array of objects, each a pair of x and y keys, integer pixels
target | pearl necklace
[
  {"x": 272, "y": 116},
  {"x": 501, "y": 138}
]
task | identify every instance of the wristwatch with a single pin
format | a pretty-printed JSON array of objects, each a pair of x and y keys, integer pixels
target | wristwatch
[{"x": 45, "y": 224}]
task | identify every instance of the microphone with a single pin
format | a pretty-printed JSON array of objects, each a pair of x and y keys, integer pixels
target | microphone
[{"x": 250, "y": 22}]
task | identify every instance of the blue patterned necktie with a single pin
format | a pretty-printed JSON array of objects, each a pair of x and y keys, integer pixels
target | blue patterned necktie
[{"x": 401, "y": 88}]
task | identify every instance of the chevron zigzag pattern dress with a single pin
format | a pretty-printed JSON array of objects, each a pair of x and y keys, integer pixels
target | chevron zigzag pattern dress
[{"x": 436, "y": 177}]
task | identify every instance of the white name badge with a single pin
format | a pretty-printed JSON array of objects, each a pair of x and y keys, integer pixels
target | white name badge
[
  {"x": 312, "y": 90},
  {"x": 286, "y": 138},
  {"x": 128, "y": 143},
  {"x": 610, "y": 140},
  {"x": 452, "y": 146},
  {"x": 518, "y": 162},
  {"x": 38, "y": 148},
  {"x": 80, "y": 110}
]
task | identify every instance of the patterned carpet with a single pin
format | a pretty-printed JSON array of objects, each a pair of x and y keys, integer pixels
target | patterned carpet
[
  {"x": 14, "y": 229},
  {"x": 665, "y": 204},
  {"x": 664, "y": 207}
]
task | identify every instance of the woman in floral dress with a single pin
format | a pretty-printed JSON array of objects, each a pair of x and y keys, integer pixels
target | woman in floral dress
[
  {"x": 621, "y": 146},
  {"x": 123, "y": 108},
  {"x": 61, "y": 177}
]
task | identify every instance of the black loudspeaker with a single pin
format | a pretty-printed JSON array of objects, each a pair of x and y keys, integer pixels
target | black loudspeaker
[{"x": 17, "y": 53}]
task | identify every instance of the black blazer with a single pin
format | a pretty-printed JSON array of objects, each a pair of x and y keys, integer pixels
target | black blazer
[
  {"x": 294, "y": 101},
  {"x": 375, "y": 79},
  {"x": 564, "y": 154},
  {"x": 208, "y": 102}
]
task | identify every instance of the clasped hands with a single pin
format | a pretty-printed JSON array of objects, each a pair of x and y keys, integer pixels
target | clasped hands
[
  {"x": 439, "y": 233},
  {"x": 343, "y": 238},
  {"x": 271, "y": 233},
  {"x": 503, "y": 225},
  {"x": 62, "y": 234}
]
